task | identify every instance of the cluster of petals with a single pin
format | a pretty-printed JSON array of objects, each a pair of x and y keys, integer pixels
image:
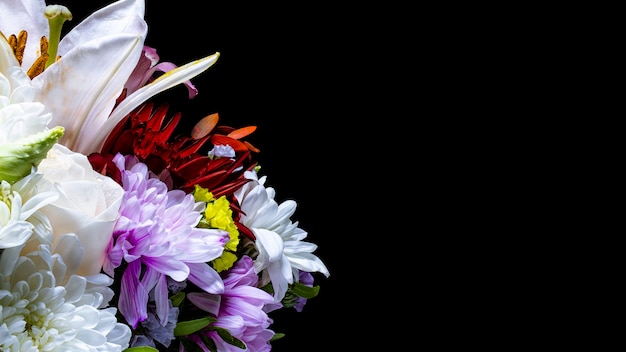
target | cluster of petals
[
  {"x": 282, "y": 251},
  {"x": 156, "y": 237},
  {"x": 20, "y": 212},
  {"x": 45, "y": 306},
  {"x": 240, "y": 309}
]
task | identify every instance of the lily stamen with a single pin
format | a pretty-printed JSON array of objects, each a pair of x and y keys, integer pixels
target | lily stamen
[
  {"x": 40, "y": 63},
  {"x": 18, "y": 44}
]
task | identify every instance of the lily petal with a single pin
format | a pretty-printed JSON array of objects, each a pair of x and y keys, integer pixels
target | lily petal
[
  {"x": 162, "y": 83},
  {"x": 120, "y": 17},
  {"x": 82, "y": 88}
]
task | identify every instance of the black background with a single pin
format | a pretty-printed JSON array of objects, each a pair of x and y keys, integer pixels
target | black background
[{"x": 282, "y": 68}]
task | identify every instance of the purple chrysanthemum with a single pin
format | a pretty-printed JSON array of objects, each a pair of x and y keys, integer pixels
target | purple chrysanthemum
[
  {"x": 239, "y": 310},
  {"x": 156, "y": 237},
  {"x": 306, "y": 279}
]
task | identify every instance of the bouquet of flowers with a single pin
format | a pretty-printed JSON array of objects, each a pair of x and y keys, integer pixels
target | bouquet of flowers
[{"x": 116, "y": 233}]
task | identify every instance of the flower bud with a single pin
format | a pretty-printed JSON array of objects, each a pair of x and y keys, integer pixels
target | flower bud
[{"x": 17, "y": 158}]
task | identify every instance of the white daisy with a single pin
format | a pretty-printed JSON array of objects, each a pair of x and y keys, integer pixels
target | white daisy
[
  {"x": 45, "y": 307},
  {"x": 279, "y": 241}
]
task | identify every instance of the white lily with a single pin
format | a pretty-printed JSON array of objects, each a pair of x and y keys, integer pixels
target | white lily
[{"x": 96, "y": 59}]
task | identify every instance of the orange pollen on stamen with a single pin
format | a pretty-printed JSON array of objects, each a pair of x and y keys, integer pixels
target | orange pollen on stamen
[
  {"x": 38, "y": 66},
  {"x": 18, "y": 44},
  {"x": 43, "y": 45}
]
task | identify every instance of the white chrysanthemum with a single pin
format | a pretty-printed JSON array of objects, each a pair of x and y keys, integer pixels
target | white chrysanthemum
[
  {"x": 279, "y": 242},
  {"x": 20, "y": 215},
  {"x": 45, "y": 307}
]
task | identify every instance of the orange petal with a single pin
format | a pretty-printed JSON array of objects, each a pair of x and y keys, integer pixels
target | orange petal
[
  {"x": 204, "y": 126},
  {"x": 241, "y": 132},
  {"x": 251, "y": 147}
]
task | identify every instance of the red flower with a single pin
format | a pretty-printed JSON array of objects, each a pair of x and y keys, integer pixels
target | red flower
[{"x": 147, "y": 133}]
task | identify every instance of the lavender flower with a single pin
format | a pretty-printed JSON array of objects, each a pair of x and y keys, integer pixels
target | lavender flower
[
  {"x": 239, "y": 310},
  {"x": 156, "y": 237}
]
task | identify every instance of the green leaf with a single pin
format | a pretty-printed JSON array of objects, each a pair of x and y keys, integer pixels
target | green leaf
[
  {"x": 277, "y": 336},
  {"x": 193, "y": 346},
  {"x": 208, "y": 343},
  {"x": 177, "y": 299},
  {"x": 227, "y": 337},
  {"x": 305, "y": 291},
  {"x": 141, "y": 349},
  {"x": 185, "y": 328}
]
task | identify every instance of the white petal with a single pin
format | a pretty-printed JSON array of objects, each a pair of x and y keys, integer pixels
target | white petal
[
  {"x": 271, "y": 242},
  {"x": 69, "y": 247},
  {"x": 285, "y": 210},
  {"x": 120, "y": 335},
  {"x": 16, "y": 234},
  {"x": 91, "y": 337},
  {"x": 74, "y": 287},
  {"x": 90, "y": 317},
  {"x": 8, "y": 260},
  {"x": 309, "y": 263},
  {"x": 37, "y": 201},
  {"x": 281, "y": 276}
]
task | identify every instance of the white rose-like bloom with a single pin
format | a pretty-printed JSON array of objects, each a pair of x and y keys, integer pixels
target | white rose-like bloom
[
  {"x": 44, "y": 306},
  {"x": 88, "y": 204},
  {"x": 279, "y": 242}
]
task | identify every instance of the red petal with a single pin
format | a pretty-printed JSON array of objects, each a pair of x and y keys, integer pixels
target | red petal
[{"x": 235, "y": 144}]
